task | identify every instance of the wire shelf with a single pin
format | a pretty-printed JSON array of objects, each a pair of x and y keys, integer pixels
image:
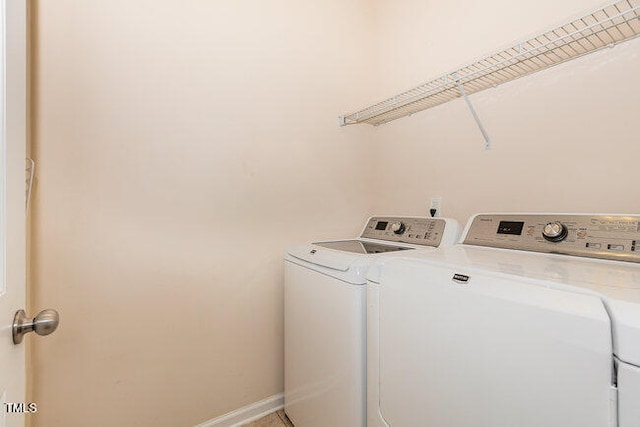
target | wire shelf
[{"x": 605, "y": 27}]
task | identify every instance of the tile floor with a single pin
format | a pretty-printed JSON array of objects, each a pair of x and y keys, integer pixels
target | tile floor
[{"x": 275, "y": 419}]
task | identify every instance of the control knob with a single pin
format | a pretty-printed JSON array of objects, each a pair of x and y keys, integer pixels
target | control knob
[
  {"x": 554, "y": 231},
  {"x": 398, "y": 227}
]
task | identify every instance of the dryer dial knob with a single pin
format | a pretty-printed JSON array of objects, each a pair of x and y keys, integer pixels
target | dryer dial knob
[
  {"x": 398, "y": 227},
  {"x": 555, "y": 232}
]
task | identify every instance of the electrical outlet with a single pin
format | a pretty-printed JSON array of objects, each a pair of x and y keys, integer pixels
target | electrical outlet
[{"x": 435, "y": 207}]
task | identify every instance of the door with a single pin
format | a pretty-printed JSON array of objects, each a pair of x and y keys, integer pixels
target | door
[
  {"x": 13, "y": 74},
  {"x": 490, "y": 351}
]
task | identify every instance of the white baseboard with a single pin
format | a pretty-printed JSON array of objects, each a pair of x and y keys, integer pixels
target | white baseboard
[{"x": 248, "y": 413}]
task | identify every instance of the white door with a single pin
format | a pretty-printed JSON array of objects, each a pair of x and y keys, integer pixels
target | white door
[{"x": 13, "y": 109}]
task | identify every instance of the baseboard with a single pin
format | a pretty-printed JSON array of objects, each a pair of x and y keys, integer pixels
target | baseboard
[{"x": 248, "y": 413}]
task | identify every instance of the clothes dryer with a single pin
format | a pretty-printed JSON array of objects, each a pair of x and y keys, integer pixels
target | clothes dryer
[
  {"x": 533, "y": 320},
  {"x": 325, "y": 316}
]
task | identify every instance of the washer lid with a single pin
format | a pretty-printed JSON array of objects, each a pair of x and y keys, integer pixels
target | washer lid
[
  {"x": 361, "y": 247},
  {"x": 334, "y": 260},
  {"x": 616, "y": 283}
]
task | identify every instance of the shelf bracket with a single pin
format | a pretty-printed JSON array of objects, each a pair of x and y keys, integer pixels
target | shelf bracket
[
  {"x": 30, "y": 172},
  {"x": 487, "y": 141}
]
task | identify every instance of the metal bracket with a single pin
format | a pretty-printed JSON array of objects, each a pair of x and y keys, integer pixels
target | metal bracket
[
  {"x": 487, "y": 141},
  {"x": 30, "y": 171}
]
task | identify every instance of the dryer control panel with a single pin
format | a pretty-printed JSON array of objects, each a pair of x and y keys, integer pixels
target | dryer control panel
[
  {"x": 416, "y": 231},
  {"x": 615, "y": 237}
]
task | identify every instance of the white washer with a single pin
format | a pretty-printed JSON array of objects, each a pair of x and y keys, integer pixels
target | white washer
[
  {"x": 325, "y": 316},
  {"x": 533, "y": 320}
]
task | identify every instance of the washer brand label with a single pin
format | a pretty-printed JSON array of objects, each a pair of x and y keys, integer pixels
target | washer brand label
[{"x": 460, "y": 278}]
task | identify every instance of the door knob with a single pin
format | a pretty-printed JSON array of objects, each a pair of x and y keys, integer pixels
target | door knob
[{"x": 43, "y": 324}]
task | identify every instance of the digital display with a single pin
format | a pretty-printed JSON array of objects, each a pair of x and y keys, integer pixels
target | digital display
[
  {"x": 510, "y": 227},
  {"x": 382, "y": 225}
]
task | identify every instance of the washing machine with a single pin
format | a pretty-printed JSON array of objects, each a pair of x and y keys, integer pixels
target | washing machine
[
  {"x": 532, "y": 320},
  {"x": 325, "y": 316}
]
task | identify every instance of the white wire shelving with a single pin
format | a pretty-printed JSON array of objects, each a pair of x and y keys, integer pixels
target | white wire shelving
[{"x": 604, "y": 27}]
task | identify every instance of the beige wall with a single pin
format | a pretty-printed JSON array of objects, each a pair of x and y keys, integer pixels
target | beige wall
[
  {"x": 565, "y": 139},
  {"x": 181, "y": 147}
]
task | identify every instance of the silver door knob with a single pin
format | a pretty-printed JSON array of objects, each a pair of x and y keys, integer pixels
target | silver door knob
[{"x": 43, "y": 324}]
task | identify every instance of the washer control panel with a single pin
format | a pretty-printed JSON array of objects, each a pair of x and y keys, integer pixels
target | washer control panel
[
  {"x": 416, "y": 231},
  {"x": 615, "y": 237}
]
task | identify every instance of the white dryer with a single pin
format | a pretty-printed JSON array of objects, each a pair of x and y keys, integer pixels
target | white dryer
[
  {"x": 325, "y": 316},
  {"x": 532, "y": 321}
]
